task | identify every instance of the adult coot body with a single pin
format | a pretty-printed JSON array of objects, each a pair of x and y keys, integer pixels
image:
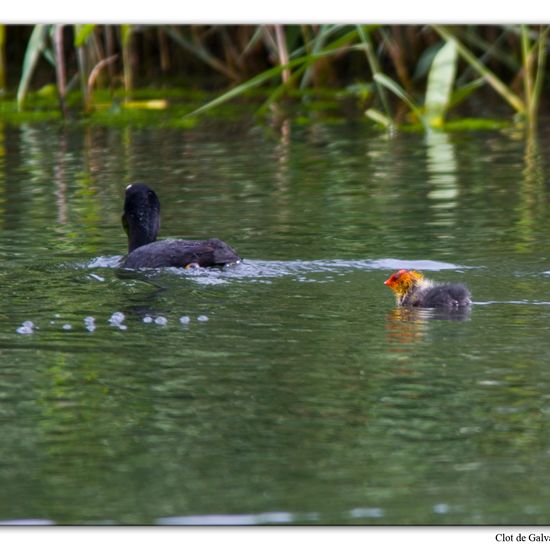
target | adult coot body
[{"x": 141, "y": 221}]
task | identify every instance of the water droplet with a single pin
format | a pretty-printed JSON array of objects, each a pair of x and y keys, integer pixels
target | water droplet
[
  {"x": 161, "y": 320},
  {"x": 147, "y": 319},
  {"x": 185, "y": 320},
  {"x": 116, "y": 318},
  {"x": 202, "y": 318},
  {"x": 441, "y": 508},
  {"x": 367, "y": 513}
]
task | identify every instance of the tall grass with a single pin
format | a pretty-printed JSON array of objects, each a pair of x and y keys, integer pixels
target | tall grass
[
  {"x": 403, "y": 73},
  {"x": 2, "y": 59}
]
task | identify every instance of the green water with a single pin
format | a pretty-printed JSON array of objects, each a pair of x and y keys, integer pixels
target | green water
[{"x": 296, "y": 392}]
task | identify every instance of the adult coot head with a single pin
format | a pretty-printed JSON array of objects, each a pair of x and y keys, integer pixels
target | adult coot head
[{"x": 141, "y": 216}]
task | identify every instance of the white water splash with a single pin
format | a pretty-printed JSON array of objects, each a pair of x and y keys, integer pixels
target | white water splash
[{"x": 27, "y": 327}]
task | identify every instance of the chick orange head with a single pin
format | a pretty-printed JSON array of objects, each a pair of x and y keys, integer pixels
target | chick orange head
[{"x": 401, "y": 281}]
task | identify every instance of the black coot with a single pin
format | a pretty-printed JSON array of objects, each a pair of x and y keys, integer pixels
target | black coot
[{"x": 141, "y": 221}]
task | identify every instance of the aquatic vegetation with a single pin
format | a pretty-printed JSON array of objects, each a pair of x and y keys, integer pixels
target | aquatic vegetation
[
  {"x": 438, "y": 92},
  {"x": 397, "y": 76}
]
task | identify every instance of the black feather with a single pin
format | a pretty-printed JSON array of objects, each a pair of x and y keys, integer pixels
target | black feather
[
  {"x": 442, "y": 295},
  {"x": 141, "y": 221},
  {"x": 178, "y": 253}
]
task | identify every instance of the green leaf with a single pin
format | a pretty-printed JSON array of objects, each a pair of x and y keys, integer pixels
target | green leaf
[
  {"x": 2, "y": 59},
  {"x": 255, "y": 38},
  {"x": 82, "y": 34},
  {"x": 240, "y": 89},
  {"x": 317, "y": 45},
  {"x": 265, "y": 76},
  {"x": 364, "y": 35},
  {"x": 379, "y": 117},
  {"x": 394, "y": 87},
  {"x": 463, "y": 92},
  {"x": 280, "y": 90},
  {"x": 200, "y": 51},
  {"x": 34, "y": 49},
  {"x": 440, "y": 83},
  {"x": 490, "y": 77},
  {"x": 425, "y": 61}
]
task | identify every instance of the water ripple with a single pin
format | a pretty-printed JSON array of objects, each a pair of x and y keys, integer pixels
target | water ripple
[
  {"x": 230, "y": 519},
  {"x": 265, "y": 269}
]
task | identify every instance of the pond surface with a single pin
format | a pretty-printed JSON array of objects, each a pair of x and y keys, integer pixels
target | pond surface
[{"x": 288, "y": 389}]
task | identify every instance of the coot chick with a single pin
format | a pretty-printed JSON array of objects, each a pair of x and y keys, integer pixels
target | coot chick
[
  {"x": 141, "y": 221},
  {"x": 412, "y": 289}
]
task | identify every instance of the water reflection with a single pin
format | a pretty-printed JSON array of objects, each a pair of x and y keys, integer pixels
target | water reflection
[
  {"x": 442, "y": 169},
  {"x": 60, "y": 181},
  {"x": 531, "y": 197},
  {"x": 406, "y": 325},
  {"x": 282, "y": 156},
  {"x": 281, "y": 390},
  {"x": 3, "y": 182}
]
